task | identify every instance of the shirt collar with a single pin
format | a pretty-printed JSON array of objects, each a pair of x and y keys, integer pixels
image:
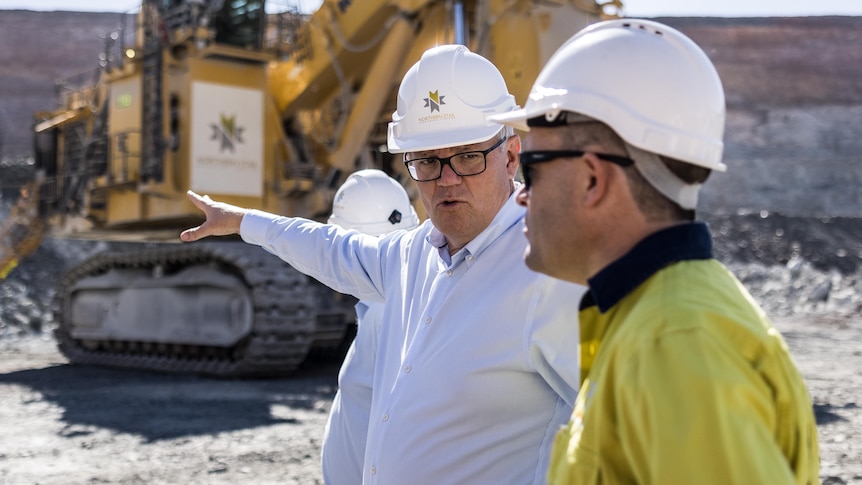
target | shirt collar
[
  {"x": 508, "y": 215},
  {"x": 656, "y": 251}
]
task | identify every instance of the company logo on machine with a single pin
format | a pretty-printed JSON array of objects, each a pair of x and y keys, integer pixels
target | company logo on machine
[
  {"x": 433, "y": 101},
  {"x": 227, "y": 124},
  {"x": 227, "y": 132}
]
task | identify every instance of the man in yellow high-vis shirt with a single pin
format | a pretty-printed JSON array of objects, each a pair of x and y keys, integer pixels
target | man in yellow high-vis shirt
[{"x": 684, "y": 381}]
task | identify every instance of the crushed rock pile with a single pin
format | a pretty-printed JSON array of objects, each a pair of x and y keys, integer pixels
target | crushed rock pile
[
  {"x": 27, "y": 292},
  {"x": 793, "y": 265},
  {"x": 798, "y": 288}
]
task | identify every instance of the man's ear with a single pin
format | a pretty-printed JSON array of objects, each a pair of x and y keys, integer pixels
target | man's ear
[
  {"x": 513, "y": 148},
  {"x": 596, "y": 178}
]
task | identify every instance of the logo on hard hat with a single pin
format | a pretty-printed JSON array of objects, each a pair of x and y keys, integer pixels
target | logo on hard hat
[
  {"x": 227, "y": 132},
  {"x": 433, "y": 101}
]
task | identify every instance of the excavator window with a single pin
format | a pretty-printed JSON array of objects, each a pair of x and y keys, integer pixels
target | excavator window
[{"x": 240, "y": 23}]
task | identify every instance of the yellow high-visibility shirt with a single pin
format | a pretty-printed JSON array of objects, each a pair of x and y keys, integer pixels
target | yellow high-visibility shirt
[{"x": 684, "y": 381}]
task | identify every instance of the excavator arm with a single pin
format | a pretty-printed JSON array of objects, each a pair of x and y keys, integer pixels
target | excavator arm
[{"x": 337, "y": 88}]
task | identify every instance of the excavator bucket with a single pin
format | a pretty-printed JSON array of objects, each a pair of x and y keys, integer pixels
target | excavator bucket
[{"x": 22, "y": 230}]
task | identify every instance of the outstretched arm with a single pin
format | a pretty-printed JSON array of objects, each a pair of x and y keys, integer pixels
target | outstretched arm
[
  {"x": 222, "y": 219},
  {"x": 346, "y": 261}
]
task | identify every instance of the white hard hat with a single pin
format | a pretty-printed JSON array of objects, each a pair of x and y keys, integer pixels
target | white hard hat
[
  {"x": 373, "y": 203},
  {"x": 444, "y": 99},
  {"x": 650, "y": 83}
]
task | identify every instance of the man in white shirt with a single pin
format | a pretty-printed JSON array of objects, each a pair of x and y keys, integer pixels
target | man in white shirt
[
  {"x": 477, "y": 363},
  {"x": 370, "y": 202}
]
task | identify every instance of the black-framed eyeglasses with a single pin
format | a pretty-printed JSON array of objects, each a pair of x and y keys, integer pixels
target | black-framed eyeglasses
[
  {"x": 528, "y": 159},
  {"x": 463, "y": 164}
]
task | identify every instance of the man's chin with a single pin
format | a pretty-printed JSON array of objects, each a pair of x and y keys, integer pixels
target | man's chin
[{"x": 532, "y": 260}]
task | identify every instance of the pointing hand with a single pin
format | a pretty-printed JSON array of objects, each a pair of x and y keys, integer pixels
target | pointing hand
[{"x": 222, "y": 219}]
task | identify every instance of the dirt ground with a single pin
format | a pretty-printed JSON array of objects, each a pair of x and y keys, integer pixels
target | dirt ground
[{"x": 65, "y": 424}]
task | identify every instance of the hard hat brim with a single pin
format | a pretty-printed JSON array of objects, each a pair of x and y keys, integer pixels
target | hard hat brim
[
  {"x": 441, "y": 140},
  {"x": 516, "y": 119}
]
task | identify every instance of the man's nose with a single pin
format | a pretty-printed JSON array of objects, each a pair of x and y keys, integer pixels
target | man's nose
[{"x": 448, "y": 176}]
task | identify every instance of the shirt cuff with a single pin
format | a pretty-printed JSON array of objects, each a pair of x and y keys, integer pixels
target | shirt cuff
[{"x": 254, "y": 226}]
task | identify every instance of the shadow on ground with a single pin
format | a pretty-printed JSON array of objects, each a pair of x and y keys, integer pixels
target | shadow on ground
[
  {"x": 824, "y": 413},
  {"x": 160, "y": 406}
]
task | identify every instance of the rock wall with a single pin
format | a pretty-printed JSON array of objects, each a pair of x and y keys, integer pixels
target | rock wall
[
  {"x": 793, "y": 88},
  {"x": 801, "y": 161},
  {"x": 39, "y": 48}
]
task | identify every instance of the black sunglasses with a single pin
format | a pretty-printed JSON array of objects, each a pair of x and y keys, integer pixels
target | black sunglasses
[{"x": 528, "y": 159}]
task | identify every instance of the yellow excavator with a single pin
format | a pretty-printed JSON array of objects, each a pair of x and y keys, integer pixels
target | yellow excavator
[{"x": 263, "y": 110}]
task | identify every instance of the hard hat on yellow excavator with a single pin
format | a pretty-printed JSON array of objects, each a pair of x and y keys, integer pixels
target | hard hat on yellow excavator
[
  {"x": 444, "y": 100},
  {"x": 649, "y": 82},
  {"x": 372, "y": 203}
]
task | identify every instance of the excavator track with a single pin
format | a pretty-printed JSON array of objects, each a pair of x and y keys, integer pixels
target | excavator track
[{"x": 251, "y": 313}]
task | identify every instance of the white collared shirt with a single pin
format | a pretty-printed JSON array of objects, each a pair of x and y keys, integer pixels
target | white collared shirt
[
  {"x": 477, "y": 359},
  {"x": 343, "y": 450}
]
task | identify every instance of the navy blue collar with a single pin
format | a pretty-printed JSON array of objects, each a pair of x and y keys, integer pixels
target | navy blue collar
[{"x": 656, "y": 251}]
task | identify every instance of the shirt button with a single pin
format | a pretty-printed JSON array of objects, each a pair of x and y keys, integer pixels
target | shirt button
[
  {"x": 385, "y": 418},
  {"x": 469, "y": 258},
  {"x": 449, "y": 273},
  {"x": 373, "y": 470},
  {"x": 408, "y": 368},
  {"x": 427, "y": 320}
]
